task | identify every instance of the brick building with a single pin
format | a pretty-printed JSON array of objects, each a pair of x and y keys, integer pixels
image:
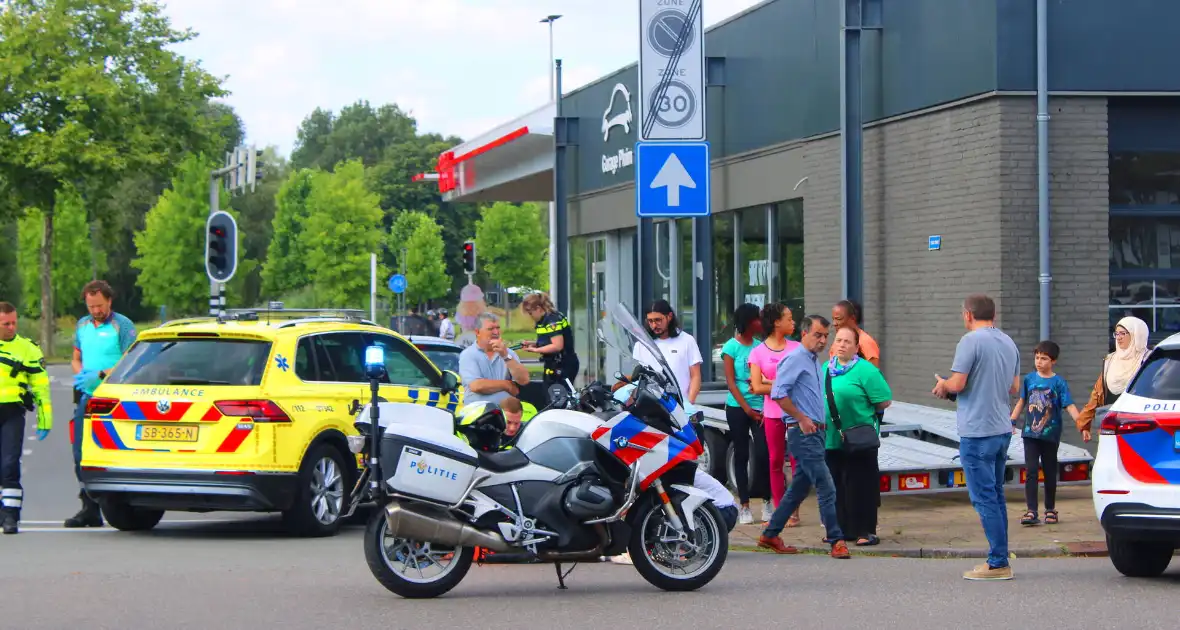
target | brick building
[{"x": 949, "y": 149}]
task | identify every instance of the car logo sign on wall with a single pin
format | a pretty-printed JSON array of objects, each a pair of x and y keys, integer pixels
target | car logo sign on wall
[
  {"x": 163, "y": 406},
  {"x": 621, "y": 119}
]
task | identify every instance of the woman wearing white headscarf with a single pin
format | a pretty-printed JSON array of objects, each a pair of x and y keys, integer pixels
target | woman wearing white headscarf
[{"x": 1130, "y": 339}]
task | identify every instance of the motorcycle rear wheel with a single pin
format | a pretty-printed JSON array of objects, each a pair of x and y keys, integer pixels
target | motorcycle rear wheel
[
  {"x": 401, "y": 565},
  {"x": 662, "y": 564}
]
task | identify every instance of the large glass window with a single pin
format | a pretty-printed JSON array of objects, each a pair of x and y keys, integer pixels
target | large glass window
[
  {"x": 723, "y": 280},
  {"x": 579, "y": 314},
  {"x": 684, "y": 276},
  {"x": 1144, "y": 178},
  {"x": 788, "y": 257},
  {"x": 754, "y": 262},
  {"x": 663, "y": 260},
  {"x": 1145, "y": 239}
]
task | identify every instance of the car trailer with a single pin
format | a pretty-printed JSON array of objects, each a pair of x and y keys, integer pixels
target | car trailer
[{"x": 919, "y": 450}]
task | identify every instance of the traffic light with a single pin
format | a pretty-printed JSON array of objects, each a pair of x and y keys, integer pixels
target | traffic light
[
  {"x": 254, "y": 168},
  {"x": 221, "y": 246},
  {"x": 469, "y": 257}
]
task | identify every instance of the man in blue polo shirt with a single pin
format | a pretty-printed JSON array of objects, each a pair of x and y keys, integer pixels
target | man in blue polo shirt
[{"x": 100, "y": 340}]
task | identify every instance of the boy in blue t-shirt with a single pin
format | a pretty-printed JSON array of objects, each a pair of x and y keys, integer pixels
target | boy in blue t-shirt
[{"x": 1043, "y": 395}]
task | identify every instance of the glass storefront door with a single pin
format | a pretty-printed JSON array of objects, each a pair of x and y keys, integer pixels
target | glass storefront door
[{"x": 598, "y": 285}]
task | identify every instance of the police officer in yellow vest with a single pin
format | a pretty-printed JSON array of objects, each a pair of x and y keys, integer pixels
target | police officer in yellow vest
[
  {"x": 488, "y": 426},
  {"x": 24, "y": 385}
]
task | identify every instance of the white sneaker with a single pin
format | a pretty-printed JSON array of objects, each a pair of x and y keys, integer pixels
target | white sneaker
[
  {"x": 624, "y": 558},
  {"x": 744, "y": 516},
  {"x": 767, "y": 511}
]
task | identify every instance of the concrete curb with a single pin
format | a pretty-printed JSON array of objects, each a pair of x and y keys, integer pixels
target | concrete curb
[{"x": 925, "y": 552}]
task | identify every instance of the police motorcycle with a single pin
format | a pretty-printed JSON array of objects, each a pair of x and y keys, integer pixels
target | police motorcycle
[{"x": 577, "y": 485}]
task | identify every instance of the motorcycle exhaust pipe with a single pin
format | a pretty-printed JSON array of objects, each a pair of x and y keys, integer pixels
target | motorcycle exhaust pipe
[{"x": 432, "y": 525}]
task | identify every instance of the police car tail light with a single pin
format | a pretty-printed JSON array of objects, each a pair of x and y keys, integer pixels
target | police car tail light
[
  {"x": 1125, "y": 423},
  {"x": 101, "y": 406},
  {"x": 257, "y": 410}
]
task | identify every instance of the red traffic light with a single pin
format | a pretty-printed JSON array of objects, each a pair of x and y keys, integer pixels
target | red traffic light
[{"x": 217, "y": 231}]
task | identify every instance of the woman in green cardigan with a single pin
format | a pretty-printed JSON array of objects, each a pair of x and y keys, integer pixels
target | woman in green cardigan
[{"x": 860, "y": 395}]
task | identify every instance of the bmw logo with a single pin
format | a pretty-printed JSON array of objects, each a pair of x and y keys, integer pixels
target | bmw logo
[
  {"x": 163, "y": 406},
  {"x": 621, "y": 442}
]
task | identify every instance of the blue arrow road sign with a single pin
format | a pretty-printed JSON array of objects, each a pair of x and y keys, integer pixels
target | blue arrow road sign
[
  {"x": 672, "y": 179},
  {"x": 397, "y": 283}
]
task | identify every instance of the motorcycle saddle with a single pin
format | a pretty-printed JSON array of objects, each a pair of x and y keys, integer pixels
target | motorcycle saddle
[{"x": 502, "y": 461}]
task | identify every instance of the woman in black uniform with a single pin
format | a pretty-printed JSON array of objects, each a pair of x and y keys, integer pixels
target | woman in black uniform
[{"x": 555, "y": 340}]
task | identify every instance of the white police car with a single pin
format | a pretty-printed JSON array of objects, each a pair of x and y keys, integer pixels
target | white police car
[{"x": 1136, "y": 478}]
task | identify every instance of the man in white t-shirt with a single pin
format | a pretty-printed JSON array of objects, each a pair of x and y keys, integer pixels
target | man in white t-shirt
[{"x": 678, "y": 347}]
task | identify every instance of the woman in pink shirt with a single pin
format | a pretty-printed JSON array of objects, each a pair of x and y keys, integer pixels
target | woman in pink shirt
[{"x": 777, "y": 323}]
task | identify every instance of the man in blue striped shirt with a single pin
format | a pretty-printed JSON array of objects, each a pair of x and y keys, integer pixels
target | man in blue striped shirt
[{"x": 798, "y": 389}]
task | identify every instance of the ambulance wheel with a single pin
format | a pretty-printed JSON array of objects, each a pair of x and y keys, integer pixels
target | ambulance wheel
[
  {"x": 321, "y": 495},
  {"x": 412, "y": 569},
  {"x": 125, "y": 518}
]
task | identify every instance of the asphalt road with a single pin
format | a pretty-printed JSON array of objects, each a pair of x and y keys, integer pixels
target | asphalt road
[{"x": 230, "y": 571}]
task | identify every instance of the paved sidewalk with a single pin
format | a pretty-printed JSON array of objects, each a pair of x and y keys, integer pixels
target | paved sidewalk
[{"x": 945, "y": 525}]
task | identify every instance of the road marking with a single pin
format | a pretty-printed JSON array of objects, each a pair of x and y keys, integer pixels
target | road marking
[
  {"x": 193, "y": 521},
  {"x": 63, "y": 530},
  {"x": 28, "y": 451}
]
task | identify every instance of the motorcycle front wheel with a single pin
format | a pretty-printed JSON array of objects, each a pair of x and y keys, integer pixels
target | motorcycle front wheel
[
  {"x": 412, "y": 569},
  {"x": 672, "y": 564}
]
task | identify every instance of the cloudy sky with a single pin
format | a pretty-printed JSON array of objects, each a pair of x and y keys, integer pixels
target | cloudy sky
[{"x": 460, "y": 66}]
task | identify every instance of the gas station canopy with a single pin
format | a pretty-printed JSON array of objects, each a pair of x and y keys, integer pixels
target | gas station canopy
[{"x": 513, "y": 162}]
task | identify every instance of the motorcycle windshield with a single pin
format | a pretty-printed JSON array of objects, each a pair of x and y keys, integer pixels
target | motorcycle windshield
[{"x": 626, "y": 335}]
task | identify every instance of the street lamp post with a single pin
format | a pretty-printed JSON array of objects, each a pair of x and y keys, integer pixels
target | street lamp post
[
  {"x": 553, "y": 280},
  {"x": 550, "y": 20}
]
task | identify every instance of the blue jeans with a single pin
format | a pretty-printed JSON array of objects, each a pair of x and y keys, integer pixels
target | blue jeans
[
  {"x": 730, "y": 514},
  {"x": 809, "y": 453},
  {"x": 984, "y": 460},
  {"x": 79, "y": 418}
]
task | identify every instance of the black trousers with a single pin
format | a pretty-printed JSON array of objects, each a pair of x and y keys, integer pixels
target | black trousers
[
  {"x": 741, "y": 428},
  {"x": 12, "y": 436},
  {"x": 1038, "y": 455},
  {"x": 858, "y": 491}
]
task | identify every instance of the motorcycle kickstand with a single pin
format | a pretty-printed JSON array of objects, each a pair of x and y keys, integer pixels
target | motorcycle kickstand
[{"x": 561, "y": 577}]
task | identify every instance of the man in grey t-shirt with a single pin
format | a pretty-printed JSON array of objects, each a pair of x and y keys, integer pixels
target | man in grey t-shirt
[
  {"x": 985, "y": 374},
  {"x": 489, "y": 370}
]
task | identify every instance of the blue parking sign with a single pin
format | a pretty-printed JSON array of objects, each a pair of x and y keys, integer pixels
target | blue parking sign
[{"x": 672, "y": 179}]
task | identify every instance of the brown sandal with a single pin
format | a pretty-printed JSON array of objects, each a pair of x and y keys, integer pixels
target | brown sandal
[{"x": 1050, "y": 517}]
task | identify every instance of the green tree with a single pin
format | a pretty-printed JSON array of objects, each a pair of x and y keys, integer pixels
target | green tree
[
  {"x": 171, "y": 248},
  {"x": 342, "y": 228},
  {"x": 75, "y": 264},
  {"x": 10, "y": 280},
  {"x": 426, "y": 275},
  {"x": 387, "y": 141},
  {"x": 93, "y": 90},
  {"x": 512, "y": 245},
  {"x": 285, "y": 269}
]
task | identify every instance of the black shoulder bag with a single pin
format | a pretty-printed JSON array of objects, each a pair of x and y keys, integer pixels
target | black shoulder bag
[{"x": 857, "y": 439}]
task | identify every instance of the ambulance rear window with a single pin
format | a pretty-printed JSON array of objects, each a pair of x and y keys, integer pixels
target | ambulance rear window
[{"x": 193, "y": 362}]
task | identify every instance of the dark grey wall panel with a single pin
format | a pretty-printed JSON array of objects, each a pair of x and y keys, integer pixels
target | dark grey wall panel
[{"x": 1094, "y": 45}]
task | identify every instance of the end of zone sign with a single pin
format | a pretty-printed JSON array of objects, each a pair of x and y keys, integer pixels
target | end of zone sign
[
  {"x": 672, "y": 179},
  {"x": 671, "y": 70}
]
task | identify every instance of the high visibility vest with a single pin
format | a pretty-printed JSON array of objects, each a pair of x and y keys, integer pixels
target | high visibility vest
[{"x": 23, "y": 379}]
